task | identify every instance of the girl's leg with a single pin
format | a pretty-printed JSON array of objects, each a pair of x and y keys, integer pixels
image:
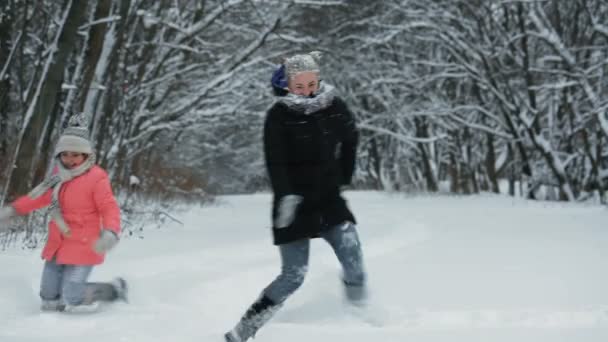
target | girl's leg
[
  {"x": 106, "y": 292},
  {"x": 50, "y": 286},
  {"x": 74, "y": 286},
  {"x": 78, "y": 292}
]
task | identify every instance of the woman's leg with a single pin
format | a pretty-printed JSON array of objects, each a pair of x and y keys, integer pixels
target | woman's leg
[
  {"x": 346, "y": 244},
  {"x": 294, "y": 266}
]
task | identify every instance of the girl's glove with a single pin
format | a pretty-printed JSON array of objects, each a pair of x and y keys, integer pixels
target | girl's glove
[
  {"x": 5, "y": 214},
  {"x": 107, "y": 240}
]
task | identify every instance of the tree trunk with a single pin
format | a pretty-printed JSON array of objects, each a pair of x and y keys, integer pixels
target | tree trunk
[
  {"x": 6, "y": 46},
  {"x": 42, "y": 165},
  {"x": 110, "y": 100},
  {"x": 454, "y": 175},
  {"x": 470, "y": 162},
  {"x": 376, "y": 161},
  {"x": 21, "y": 178},
  {"x": 491, "y": 163},
  {"x": 474, "y": 181},
  {"x": 512, "y": 169},
  {"x": 94, "y": 48},
  {"x": 422, "y": 132}
]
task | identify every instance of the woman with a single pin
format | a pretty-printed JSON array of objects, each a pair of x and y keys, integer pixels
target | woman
[
  {"x": 85, "y": 225},
  {"x": 310, "y": 143}
]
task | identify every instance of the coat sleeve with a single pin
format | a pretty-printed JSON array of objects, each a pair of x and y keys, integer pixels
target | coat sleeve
[
  {"x": 25, "y": 204},
  {"x": 275, "y": 154},
  {"x": 107, "y": 205},
  {"x": 350, "y": 140}
]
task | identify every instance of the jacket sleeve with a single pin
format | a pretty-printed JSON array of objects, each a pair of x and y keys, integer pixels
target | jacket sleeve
[
  {"x": 25, "y": 204},
  {"x": 275, "y": 154},
  {"x": 106, "y": 205},
  {"x": 350, "y": 140}
]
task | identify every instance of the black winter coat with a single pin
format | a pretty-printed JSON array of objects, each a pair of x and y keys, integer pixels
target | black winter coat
[{"x": 310, "y": 155}]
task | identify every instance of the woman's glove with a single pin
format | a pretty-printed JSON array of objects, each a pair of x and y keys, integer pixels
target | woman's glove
[{"x": 287, "y": 210}]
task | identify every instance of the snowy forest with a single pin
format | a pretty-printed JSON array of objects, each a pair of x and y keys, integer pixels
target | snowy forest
[{"x": 458, "y": 95}]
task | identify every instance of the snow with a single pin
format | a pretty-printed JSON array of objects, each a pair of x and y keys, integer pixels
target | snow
[
  {"x": 105, "y": 20},
  {"x": 149, "y": 19},
  {"x": 441, "y": 268},
  {"x": 411, "y": 140},
  {"x": 65, "y": 86},
  {"x": 134, "y": 180},
  {"x": 320, "y": 3}
]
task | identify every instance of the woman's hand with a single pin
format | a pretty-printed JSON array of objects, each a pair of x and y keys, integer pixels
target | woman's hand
[{"x": 287, "y": 210}]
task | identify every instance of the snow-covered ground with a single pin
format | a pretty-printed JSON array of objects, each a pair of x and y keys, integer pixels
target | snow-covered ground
[{"x": 441, "y": 268}]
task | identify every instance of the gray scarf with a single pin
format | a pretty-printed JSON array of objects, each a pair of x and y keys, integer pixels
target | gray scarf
[
  {"x": 308, "y": 105},
  {"x": 55, "y": 181}
]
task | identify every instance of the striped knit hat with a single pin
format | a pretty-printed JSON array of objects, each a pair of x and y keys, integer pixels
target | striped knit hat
[{"x": 75, "y": 137}]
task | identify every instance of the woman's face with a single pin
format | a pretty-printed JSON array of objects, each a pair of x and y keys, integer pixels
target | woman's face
[
  {"x": 304, "y": 83},
  {"x": 72, "y": 160}
]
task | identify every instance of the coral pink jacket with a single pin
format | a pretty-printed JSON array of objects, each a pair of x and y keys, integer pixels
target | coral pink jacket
[{"x": 87, "y": 204}]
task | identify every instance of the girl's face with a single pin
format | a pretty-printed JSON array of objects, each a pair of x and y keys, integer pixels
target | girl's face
[
  {"x": 72, "y": 160},
  {"x": 304, "y": 83}
]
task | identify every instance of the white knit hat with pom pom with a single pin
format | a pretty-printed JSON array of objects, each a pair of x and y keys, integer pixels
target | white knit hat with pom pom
[{"x": 75, "y": 138}]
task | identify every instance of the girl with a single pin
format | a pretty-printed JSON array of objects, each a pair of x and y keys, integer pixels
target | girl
[
  {"x": 310, "y": 142},
  {"x": 85, "y": 223}
]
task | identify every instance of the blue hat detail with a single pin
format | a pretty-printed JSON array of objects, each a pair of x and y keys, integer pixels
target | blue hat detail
[{"x": 279, "y": 78}]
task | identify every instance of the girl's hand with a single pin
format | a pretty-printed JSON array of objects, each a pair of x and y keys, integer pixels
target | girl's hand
[
  {"x": 107, "y": 240},
  {"x": 6, "y": 213}
]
